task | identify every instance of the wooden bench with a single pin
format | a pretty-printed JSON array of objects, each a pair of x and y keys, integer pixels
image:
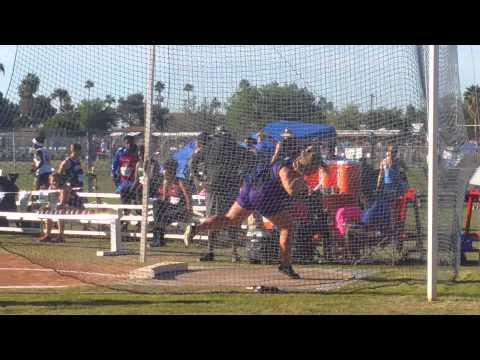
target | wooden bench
[
  {"x": 115, "y": 209},
  {"x": 112, "y": 220}
]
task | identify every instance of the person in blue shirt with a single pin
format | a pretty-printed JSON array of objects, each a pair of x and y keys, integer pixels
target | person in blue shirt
[
  {"x": 128, "y": 143},
  {"x": 264, "y": 149},
  {"x": 391, "y": 181}
]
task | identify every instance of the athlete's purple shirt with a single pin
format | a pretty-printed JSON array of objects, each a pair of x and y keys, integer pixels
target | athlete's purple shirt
[{"x": 268, "y": 198}]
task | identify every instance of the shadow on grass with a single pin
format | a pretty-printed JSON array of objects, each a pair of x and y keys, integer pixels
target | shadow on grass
[{"x": 73, "y": 303}]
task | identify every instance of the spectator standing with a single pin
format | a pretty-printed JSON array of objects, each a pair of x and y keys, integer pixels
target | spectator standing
[
  {"x": 128, "y": 143},
  {"x": 42, "y": 167},
  {"x": 72, "y": 173},
  {"x": 223, "y": 160}
]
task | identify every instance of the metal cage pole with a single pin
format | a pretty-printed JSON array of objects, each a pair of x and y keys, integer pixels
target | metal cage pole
[
  {"x": 432, "y": 249},
  {"x": 146, "y": 157}
]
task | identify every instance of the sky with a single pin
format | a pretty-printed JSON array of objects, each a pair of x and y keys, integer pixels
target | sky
[{"x": 300, "y": 70}]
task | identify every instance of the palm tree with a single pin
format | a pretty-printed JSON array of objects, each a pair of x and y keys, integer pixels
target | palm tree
[
  {"x": 62, "y": 96},
  {"x": 215, "y": 104},
  {"x": 159, "y": 87},
  {"x": 29, "y": 86},
  {"x": 188, "y": 89},
  {"x": 88, "y": 85},
  {"x": 471, "y": 98}
]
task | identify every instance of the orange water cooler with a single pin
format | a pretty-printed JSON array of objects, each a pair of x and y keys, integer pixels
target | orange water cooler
[
  {"x": 328, "y": 178},
  {"x": 348, "y": 177}
]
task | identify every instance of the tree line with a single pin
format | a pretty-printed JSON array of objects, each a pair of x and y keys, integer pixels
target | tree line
[{"x": 249, "y": 108}]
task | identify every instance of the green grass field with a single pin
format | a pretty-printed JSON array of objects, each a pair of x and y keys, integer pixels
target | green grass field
[{"x": 461, "y": 297}]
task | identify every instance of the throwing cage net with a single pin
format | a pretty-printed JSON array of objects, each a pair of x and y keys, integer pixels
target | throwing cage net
[{"x": 297, "y": 167}]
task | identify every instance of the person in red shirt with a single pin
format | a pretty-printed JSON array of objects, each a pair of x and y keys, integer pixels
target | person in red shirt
[{"x": 127, "y": 170}]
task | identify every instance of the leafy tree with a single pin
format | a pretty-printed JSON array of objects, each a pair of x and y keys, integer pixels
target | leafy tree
[
  {"x": 206, "y": 115},
  {"x": 9, "y": 112},
  {"x": 349, "y": 118},
  {"x": 96, "y": 114},
  {"x": 384, "y": 118},
  {"x": 251, "y": 107},
  {"x": 109, "y": 100},
  {"x": 40, "y": 110},
  {"x": 160, "y": 117},
  {"x": 471, "y": 99},
  {"x": 131, "y": 109},
  {"x": 70, "y": 121}
]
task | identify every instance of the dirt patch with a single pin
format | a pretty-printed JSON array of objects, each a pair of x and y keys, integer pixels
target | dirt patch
[
  {"x": 241, "y": 277},
  {"x": 16, "y": 271}
]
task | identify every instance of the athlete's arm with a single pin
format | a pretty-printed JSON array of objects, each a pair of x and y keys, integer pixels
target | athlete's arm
[
  {"x": 293, "y": 184},
  {"x": 40, "y": 156},
  {"x": 63, "y": 167}
]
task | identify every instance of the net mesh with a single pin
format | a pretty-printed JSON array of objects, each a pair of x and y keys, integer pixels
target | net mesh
[{"x": 313, "y": 156}]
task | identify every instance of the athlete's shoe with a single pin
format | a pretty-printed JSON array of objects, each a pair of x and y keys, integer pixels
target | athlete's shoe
[
  {"x": 235, "y": 258},
  {"x": 44, "y": 238},
  {"x": 207, "y": 257},
  {"x": 288, "y": 270},
  {"x": 58, "y": 240}
]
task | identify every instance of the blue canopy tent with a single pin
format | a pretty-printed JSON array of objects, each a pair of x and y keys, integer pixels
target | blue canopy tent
[
  {"x": 274, "y": 129},
  {"x": 300, "y": 130}
]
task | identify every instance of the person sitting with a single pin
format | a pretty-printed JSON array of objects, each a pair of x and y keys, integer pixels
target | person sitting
[
  {"x": 391, "y": 181},
  {"x": 271, "y": 194},
  {"x": 8, "y": 191},
  {"x": 59, "y": 202},
  {"x": 173, "y": 205}
]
